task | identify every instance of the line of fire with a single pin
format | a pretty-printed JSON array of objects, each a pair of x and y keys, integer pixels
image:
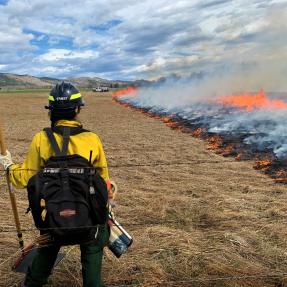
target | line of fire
[{"x": 235, "y": 141}]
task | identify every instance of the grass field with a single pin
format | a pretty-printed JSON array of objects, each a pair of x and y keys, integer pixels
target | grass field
[
  {"x": 32, "y": 91},
  {"x": 206, "y": 221}
]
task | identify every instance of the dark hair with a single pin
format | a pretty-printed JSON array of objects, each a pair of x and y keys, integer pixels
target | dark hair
[{"x": 66, "y": 114}]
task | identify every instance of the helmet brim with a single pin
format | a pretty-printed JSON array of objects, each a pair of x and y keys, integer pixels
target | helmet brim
[{"x": 50, "y": 107}]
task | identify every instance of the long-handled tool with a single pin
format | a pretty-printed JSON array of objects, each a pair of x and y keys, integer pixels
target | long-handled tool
[
  {"x": 27, "y": 253},
  {"x": 12, "y": 196}
]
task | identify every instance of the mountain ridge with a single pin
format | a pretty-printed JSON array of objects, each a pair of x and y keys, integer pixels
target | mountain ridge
[
  {"x": 10, "y": 80},
  {"x": 15, "y": 81}
]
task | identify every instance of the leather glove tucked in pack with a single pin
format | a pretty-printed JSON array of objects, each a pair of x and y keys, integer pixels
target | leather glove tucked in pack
[
  {"x": 113, "y": 188},
  {"x": 6, "y": 160}
]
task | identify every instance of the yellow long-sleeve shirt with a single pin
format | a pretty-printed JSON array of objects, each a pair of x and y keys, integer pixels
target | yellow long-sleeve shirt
[{"x": 40, "y": 151}]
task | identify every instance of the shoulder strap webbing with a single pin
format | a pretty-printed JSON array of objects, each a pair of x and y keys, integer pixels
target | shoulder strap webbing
[
  {"x": 73, "y": 130},
  {"x": 54, "y": 144},
  {"x": 53, "y": 141},
  {"x": 66, "y": 138}
]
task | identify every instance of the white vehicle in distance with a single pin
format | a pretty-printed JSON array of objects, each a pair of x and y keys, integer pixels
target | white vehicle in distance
[
  {"x": 101, "y": 89},
  {"x": 105, "y": 89}
]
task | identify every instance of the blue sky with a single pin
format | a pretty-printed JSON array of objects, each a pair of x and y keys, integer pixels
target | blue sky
[{"x": 147, "y": 39}]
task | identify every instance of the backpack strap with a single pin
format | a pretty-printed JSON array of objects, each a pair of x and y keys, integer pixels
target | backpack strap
[
  {"x": 73, "y": 130},
  {"x": 66, "y": 138},
  {"x": 54, "y": 144},
  {"x": 53, "y": 141}
]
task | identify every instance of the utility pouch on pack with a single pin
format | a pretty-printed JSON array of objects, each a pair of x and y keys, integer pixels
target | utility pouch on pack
[{"x": 68, "y": 198}]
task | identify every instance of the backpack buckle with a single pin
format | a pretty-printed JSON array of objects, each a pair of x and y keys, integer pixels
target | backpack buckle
[{"x": 92, "y": 190}]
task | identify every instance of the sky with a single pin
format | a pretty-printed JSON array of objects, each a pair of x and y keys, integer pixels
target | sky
[{"x": 147, "y": 39}]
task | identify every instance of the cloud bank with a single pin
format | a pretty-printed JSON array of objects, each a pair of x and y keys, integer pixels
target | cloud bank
[{"x": 144, "y": 39}]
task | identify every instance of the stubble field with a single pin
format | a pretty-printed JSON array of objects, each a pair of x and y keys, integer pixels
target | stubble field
[{"x": 197, "y": 218}]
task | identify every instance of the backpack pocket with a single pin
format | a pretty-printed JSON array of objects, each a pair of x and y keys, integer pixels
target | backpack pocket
[
  {"x": 35, "y": 186},
  {"x": 69, "y": 221},
  {"x": 99, "y": 199}
]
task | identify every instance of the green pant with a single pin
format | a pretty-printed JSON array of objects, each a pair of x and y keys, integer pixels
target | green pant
[{"x": 91, "y": 258}]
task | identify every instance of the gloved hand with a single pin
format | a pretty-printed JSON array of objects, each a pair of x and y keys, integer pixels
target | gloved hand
[
  {"x": 6, "y": 160},
  {"x": 114, "y": 188},
  {"x": 112, "y": 203},
  {"x": 111, "y": 206}
]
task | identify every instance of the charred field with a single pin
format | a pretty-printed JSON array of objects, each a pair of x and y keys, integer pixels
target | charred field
[
  {"x": 230, "y": 137},
  {"x": 198, "y": 218}
]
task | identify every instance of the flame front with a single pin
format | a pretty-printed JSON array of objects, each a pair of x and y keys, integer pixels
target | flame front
[
  {"x": 263, "y": 164},
  {"x": 249, "y": 101},
  {"x": 223, "y": 123},
  {"x": 124, "y": 92}
]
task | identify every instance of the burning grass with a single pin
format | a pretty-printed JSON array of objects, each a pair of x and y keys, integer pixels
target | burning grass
[
  {"x": 217, "y": 222},
  {"x": 229, "y": 144},
  {"x": 251, "y": 101}
]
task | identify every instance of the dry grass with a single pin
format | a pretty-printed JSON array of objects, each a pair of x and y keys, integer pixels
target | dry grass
[{"x": 190, "y": 222}]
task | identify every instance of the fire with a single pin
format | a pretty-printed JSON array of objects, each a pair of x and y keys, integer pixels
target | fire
[
  {"x": 226, "y": 146},
  {"x": 166, "y": 119},
  {"x": 227, "y": 150},
  {"x": 172, "y": 125},
  {"x": 217, "y": 143},
  {"x": 281, "y": 176},
  {"x": 281, "y": 173},
  {"x": 214, "y": 142},
  {"x": 197, "y": 132},
  {"x": 263, "y": 165},
  {"x": 251, "y": 101},
  {"x": 123, "y": 92},
  {"x": 239, "y": 156}
]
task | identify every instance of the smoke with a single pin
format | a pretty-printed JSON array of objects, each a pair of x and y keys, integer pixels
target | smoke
[
  {"x": 258, "y": 61},
  {"x": 255, "y": 60},
  {"x": 264, "y": 127}
]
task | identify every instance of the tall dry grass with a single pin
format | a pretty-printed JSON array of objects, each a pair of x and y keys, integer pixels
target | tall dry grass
[{"x": 208, "y": 224}]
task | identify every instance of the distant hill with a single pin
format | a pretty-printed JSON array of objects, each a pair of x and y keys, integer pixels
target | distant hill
[
  {"x": 91, "y": 82},
  {"x": 23, "y": 81},
  {"x": 13, "y": 81}
]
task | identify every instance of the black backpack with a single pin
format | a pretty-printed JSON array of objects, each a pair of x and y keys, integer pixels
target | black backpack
[{"x": 68, "y": 198}]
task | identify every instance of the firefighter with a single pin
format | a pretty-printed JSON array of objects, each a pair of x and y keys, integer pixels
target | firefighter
[{"x": 65, "y": 103}]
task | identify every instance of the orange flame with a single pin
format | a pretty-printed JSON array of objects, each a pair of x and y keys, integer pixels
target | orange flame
[
  {"x": 249, "y": 101},
  {"x": 245, "y": 101},
  {"x": 228, "y": 149},
  {"x": 166, "y": 119},
  {"x": 197, "y": 132},
  {"x": 173, "y": 125},
  {"x": 239, "y": 156},
  {"x": 281, "y": 176},
  {"x": 214, "y": 142},
  {"x": 123, "y": 92},
  {"x": 263, "y": 165}
]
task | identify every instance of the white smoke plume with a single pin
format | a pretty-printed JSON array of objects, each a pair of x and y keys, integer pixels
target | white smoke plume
[
  {"x": 256, "y": 59},
  {"x": 264, "y": 128}
]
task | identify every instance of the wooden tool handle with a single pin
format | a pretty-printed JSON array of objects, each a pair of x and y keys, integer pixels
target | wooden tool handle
[
  {"x": 2, "y": 142},
  {"x": 11, "y": 193}
]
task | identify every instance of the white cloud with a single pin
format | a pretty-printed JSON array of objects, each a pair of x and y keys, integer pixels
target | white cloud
[
  {"x": 63, "y": 54},
  {"x": 148, "y": 38},
  {"x": 50, "y": 70},
  {"x": 168, "y": 65}
]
